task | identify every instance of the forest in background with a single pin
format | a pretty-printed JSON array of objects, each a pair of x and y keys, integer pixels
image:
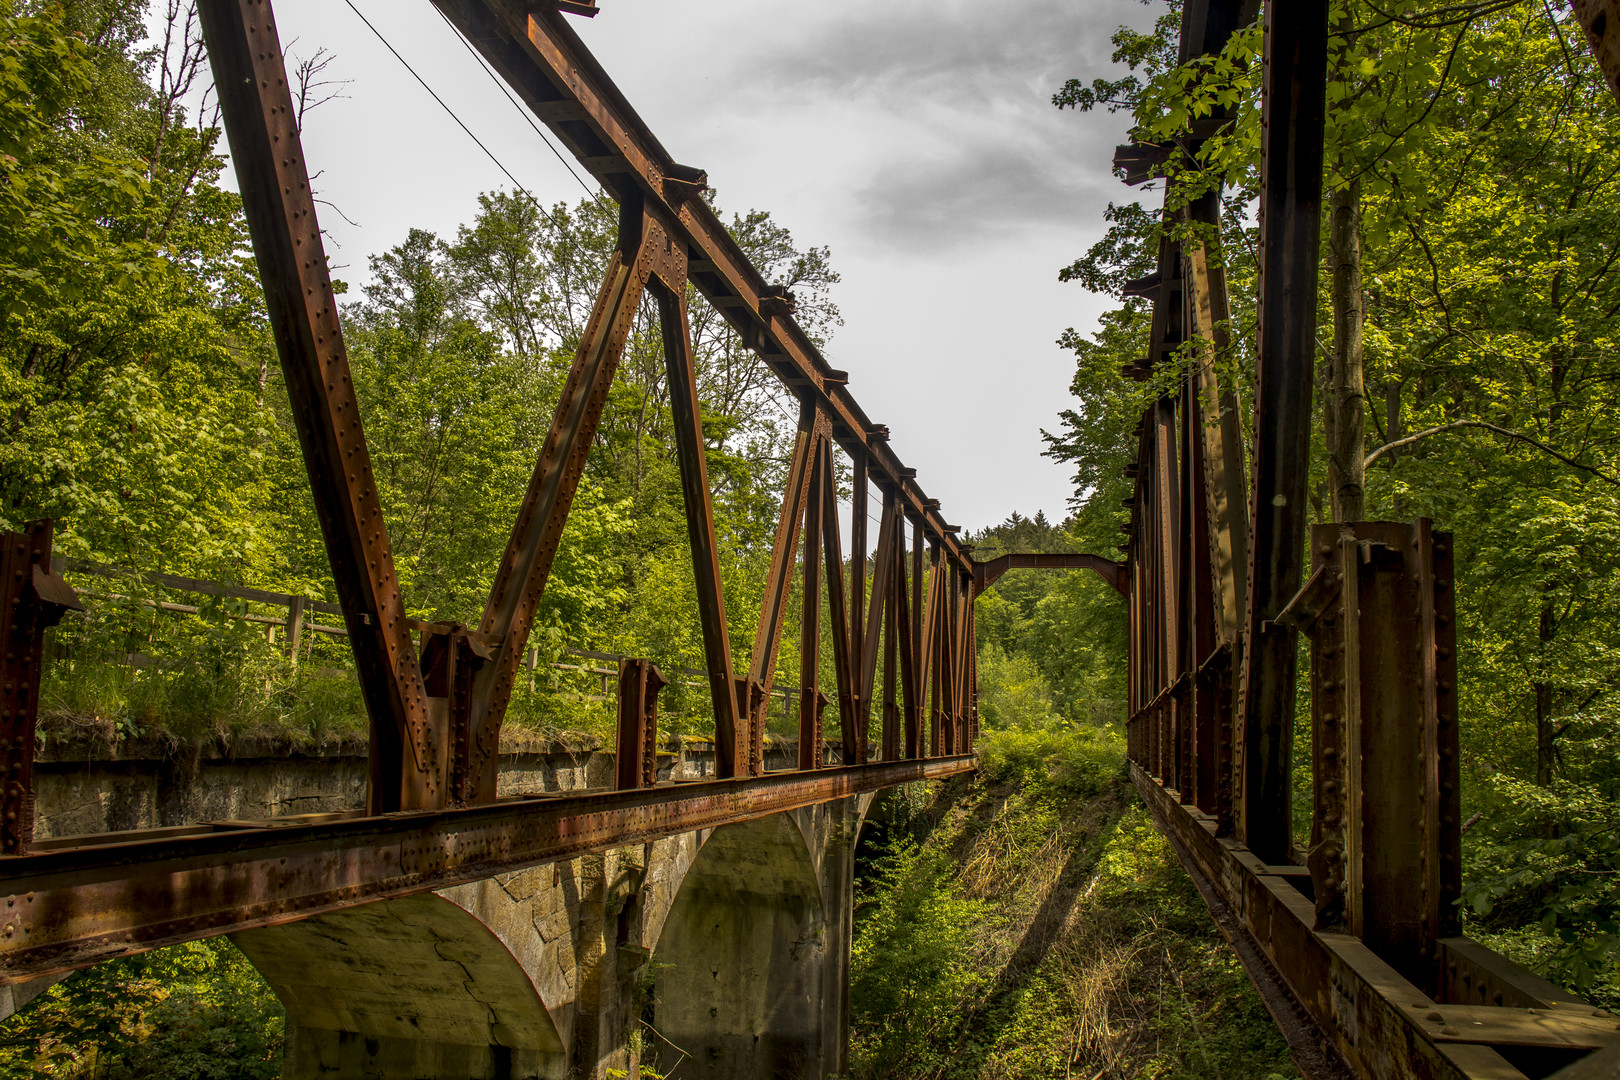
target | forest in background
[{"x": 1470, "y": 290}]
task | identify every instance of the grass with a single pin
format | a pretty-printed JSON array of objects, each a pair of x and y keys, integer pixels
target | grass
[{"x": 1034, "y": 925}]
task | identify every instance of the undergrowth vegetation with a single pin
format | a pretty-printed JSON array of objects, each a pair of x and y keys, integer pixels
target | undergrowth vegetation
[
  {"x": 1033, "y": 924},
  {"x": 197, "y": 1011}
]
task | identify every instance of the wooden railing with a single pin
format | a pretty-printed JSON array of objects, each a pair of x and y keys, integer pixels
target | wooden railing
[{"x": 300, "y": 619}]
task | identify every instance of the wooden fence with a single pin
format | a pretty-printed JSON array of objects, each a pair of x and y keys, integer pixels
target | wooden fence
[{"x": 300, "y": 619}]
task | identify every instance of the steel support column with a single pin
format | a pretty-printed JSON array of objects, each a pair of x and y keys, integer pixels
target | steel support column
[
  {"x": 815, "y": 507},
  {"x": 1290, "y": 210},
  {"x": 839, "y": 620},
  {"x": 730, "y": 728},
  {"x": 636, "y": 758},
  {"x": 32, "y": 600}
]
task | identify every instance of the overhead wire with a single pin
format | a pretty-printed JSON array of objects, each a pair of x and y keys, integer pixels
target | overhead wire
[
  {"x": 500, "y": 84},
  {"x": 499, "y": 164},
  {"x": 528, "y": 117}
]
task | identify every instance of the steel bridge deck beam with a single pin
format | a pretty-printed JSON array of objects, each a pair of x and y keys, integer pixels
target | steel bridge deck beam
[{"x": 71, "y": 907}]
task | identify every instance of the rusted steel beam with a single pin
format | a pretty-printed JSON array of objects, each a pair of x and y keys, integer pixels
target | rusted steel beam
[
  {"x": 450, "y": 657},
  {"x": 680, "y": 370},
  {"x": 32, "y": 600},
  {"x": 1225, "y": 501},
  {"x": 892, "y": 556},
  {"x": 1601, "y": 18},
  {"x": 1207, "y": 25},
  {"x": 635, "y": 762},
  {"x": 973, "y": 678},
  {"x": 1167, "y": 492},
  {"x": 644, "y": 246},
  {"x": 1290, "y": 210},
  {"x": 948, "y": 664},
  {"x": 906, "y": 628},
  {"x": 565, "y": 86},
  {"x": 880, "y": 613},
  {"x": 1210, "y": 707},
  {"x": 1386, "y": 841},
  {"x": 917, "y": 687},
  {"x": 77, "y": 906},
  {"x": 408, "y": 759},
  {"x": 779, "y": 583},
  {"x": 963, "y": 651},
  {"x": 857, "y": 592},
  {"x": 845, "y": 658},
  {"x": 815, "y": 509},
  {"x": 933, "y": 638},
  {"x": 987, "y": 573},
  {"x": 1365, "y": 1018}
]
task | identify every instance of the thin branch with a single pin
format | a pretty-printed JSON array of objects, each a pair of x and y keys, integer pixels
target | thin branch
[{"x": 1510, "y": 433}]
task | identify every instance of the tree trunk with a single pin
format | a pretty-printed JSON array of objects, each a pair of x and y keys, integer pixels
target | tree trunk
[
  {"x": 1345, "y": 401},
  {"x": 1545, "y": 632}
]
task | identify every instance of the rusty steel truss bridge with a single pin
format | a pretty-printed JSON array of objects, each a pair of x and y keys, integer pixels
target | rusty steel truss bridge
[{"x": 1354, "y": 942}]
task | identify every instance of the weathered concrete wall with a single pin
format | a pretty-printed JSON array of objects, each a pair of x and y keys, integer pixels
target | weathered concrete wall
[
  {"x": 85, "y": 787},
  {"x": 742, "y": 959},
  {"x": 414, "y": 987}
]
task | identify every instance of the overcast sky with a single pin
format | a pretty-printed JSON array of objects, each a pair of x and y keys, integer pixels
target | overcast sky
[{"x": 915, "y": 138}]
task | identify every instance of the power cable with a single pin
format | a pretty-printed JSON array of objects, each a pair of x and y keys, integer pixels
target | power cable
[
  {"x": 528, "y": 117},
  {"x": 452, "y": 113}
]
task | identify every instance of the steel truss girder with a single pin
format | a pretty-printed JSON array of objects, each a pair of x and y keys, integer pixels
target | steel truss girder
[
  {"x": 565, "y": 87},
  {"x": 1354, "y": 945}
]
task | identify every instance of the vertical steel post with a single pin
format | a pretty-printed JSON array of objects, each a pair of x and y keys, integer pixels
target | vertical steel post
[
  {"x": 933, "y": 647},
  {"x": 32, "y": 599},
  {"x": 730, "y": 727},
  {"x": 635, "y": 764},
  {"x": 1294, "y": 92},
  {"x": 894, "y": 593},
  {"x": 917, "y": 690},
  {"x": 839, "y": 618},
  {"x": 810, "y": 617},
  {"x": 857, "y": 590},
  {"x": 1385, "y": 836}
]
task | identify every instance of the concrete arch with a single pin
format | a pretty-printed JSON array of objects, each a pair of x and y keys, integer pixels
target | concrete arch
[
  {"x": 741, "y": 964},
  {"x": 404, "y": 989}
]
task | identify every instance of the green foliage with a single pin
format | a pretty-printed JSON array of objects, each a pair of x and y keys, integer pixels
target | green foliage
[
  {"x": 911, "y": 964},
  {"x": 1546, "y": 880},
  {"x": 197, "y": 1011},
  {"x": 1072, "y": 764},
  {"x": 1041, "y": 926}
]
